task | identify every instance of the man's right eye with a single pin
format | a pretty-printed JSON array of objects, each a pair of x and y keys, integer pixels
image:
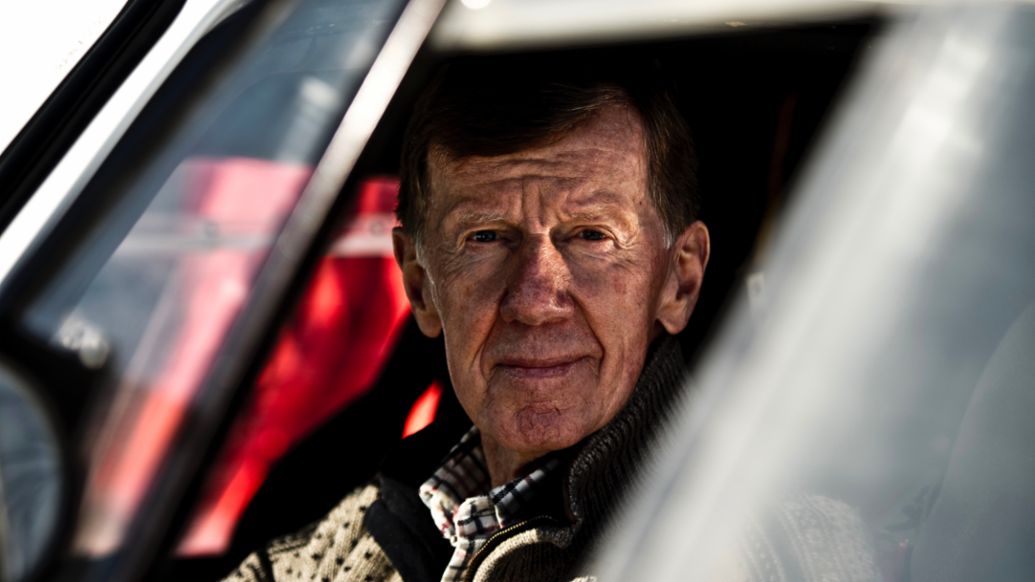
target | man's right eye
[{"x": 484, "y": 236}]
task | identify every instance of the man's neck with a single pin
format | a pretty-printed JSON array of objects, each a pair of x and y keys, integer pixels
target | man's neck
[{"x": 505, "y": 465}]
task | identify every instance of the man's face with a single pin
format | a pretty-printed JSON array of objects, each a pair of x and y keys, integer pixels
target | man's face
[{"x": 549, "y": 272}]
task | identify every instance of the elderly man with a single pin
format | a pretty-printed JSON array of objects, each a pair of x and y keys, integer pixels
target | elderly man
[{"x": 549, "y": 234}]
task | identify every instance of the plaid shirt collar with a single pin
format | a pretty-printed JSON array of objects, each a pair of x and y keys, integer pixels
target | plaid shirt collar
[{"x": 465, "y": 509}]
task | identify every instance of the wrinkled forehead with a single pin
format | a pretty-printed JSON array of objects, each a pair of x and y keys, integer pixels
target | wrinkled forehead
[{"x": 605, "y": 153}]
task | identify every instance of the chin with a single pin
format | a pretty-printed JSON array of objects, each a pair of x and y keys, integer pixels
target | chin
[{"x": 540, "y": 432}]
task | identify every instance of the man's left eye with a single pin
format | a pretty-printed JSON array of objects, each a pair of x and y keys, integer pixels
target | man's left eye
[
  {"x": 592, "y": 235},
  {"x": 484, "y": 236}
]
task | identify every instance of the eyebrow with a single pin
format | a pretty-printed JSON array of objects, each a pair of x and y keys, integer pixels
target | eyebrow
[
  {"x": 597, "y": 198},
  {"x": 592, "y": 206},
  {"x": 620, "y": 218},
  {"x": 467, "y": 217},
  {"x": 596, "y": 205}
]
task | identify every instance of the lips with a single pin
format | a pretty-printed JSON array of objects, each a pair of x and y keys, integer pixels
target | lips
[{"x": 539, "y": 368}]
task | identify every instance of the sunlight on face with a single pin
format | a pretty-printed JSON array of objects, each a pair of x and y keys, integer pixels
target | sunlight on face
[{"x": 544, "y": 271}]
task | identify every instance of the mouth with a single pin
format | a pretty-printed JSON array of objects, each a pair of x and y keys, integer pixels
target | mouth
[{"x": 539, "y": 368}]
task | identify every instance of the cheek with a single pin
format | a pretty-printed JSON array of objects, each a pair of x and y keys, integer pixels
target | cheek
[
  {"x": 467, "y": 289},
  {"x": 467, "y": 298},
  {"x": 614, "y": 291},
  {"x": 619, "y": 301},
  {"x": 620, "y": 286}
]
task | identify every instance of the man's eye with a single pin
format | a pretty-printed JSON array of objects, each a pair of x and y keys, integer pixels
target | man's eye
[
  {"x": 484, "y": 236},
  {"x": 592, "y": 235}
]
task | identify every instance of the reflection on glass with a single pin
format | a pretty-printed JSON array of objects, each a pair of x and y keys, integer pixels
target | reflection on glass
[
  {"x": 193, "y": 269},
  {"x": 870, "y": 426},
  {"x": 150, "y": 293}
]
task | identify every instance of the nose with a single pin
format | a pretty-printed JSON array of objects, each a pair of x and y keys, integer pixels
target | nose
[{"x": 537, "y": 290}]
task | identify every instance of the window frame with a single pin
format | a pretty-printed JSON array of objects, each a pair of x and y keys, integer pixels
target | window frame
[{"x": 51, "y": 130}]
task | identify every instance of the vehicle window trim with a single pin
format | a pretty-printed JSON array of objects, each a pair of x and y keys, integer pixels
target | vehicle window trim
[
  {"x": 50, "y": 132},
  {"x": 43, "y": 210},
  {"x": 195, "y": 445}
]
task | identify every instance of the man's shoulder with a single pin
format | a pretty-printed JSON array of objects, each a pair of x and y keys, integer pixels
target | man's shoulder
[
  {"x": 339, "y": 541},
  {"x": 347, "y": 515}
]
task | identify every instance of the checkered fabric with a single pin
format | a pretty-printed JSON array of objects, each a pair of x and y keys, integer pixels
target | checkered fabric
[{"x": 465, "y": 510}]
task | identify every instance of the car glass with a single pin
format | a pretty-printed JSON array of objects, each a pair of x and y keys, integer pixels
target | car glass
[
  {"x": 874, "y": 421},
  {"x": 153, "y": 265}
]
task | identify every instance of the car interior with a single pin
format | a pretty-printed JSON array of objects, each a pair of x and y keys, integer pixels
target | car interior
[
  {"x": 756, "y": 99},
  {"x": 348, "y": 364}
]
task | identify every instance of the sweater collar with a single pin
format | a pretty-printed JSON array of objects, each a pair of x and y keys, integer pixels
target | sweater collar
[
  {"x": 613, "y": 458},
  {"x": 601, "y": 467}
]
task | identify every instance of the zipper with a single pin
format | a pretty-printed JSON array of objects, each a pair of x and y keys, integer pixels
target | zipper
[{"x": 484, "y": 550}]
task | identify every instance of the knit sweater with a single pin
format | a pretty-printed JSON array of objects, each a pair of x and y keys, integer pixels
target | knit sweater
[{"x": 382, "y": 531}]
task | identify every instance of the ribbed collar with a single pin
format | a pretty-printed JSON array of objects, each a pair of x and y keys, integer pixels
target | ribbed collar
[
  {"x": 613, "y": 457},
  {"x": 593, "y": 484}
]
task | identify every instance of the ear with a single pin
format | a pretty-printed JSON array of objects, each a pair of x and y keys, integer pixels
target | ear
[
  {"x": 685, "y": 275},
  {"x": 416, "y": 283}
]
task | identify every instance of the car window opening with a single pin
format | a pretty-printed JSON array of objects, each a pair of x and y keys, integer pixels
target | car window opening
[{"x": 749, "y": 108}]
